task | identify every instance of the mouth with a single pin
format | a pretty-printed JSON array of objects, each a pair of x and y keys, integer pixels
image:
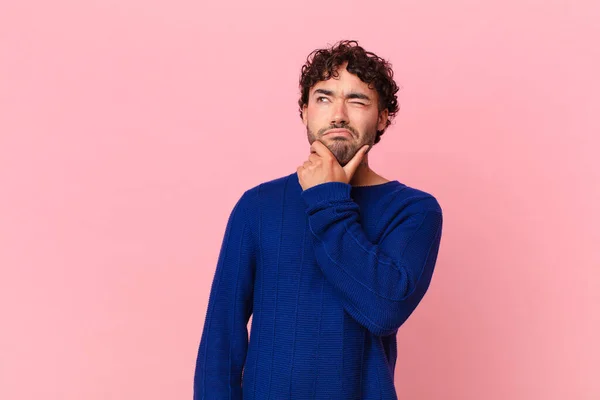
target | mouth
[{"x": 338, "y": 132}]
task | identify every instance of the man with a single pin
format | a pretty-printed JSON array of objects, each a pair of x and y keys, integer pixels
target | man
[{"x": 330, "y": 260}]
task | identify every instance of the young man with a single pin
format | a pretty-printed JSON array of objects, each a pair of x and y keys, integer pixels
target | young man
[{"x": 330, "y": 260}]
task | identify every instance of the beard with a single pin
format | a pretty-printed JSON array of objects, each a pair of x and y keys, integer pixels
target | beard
[{"x": 342, "y": 148}]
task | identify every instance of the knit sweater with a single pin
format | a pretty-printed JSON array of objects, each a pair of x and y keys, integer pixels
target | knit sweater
[{"x": 328, "y": 274}]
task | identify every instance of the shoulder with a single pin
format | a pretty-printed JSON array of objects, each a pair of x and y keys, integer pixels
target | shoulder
[
  {"x": 412, "y": 212},
  {"x": 247, "y": 210},
  {"x": 253, "y": 196},
  {"x": 412, "y": 200},
  {"x": 272, "y": 187}
]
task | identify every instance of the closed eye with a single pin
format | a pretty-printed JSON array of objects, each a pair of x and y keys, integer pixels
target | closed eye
[{"x": 320, "y": 99}]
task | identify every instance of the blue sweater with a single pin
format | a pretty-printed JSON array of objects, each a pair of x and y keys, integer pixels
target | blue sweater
[{"x": 328, "y": 274}]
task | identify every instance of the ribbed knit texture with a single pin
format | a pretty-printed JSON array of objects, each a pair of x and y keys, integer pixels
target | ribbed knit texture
[{"x": 328, "y": 274}]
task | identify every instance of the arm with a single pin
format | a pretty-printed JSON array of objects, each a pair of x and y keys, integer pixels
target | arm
[
  {"x": 222, "y": 350},
  {"x": 379, "y": 285}
]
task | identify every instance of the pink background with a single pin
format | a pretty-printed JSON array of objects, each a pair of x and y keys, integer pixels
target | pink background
[{"x": 128, "y": 130}]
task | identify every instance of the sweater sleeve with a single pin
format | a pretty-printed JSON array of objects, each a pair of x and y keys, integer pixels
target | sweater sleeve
[
  {"x": 224, "y": 341},
  {"x": 380, "y": 284}
]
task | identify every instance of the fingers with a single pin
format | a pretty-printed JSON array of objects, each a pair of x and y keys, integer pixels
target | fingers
[
  {"x": 313, "y": 157},
  {"x": 319, "y": 148},
  {"x": 353, "y": 164}
]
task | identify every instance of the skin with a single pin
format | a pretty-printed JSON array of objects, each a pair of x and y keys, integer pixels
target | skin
[{"x": 341, "y": 102}]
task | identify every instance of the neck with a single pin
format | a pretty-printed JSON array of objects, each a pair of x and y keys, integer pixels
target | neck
[{"x": 365, "y": 176}]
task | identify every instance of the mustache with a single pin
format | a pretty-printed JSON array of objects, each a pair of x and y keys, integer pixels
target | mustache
[{"x": 338, "y": 126}]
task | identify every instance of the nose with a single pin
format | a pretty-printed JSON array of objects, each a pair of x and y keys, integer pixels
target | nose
[{"x": 340, "y": 114}]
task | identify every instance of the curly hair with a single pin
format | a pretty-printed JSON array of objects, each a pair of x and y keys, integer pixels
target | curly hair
[{"x": 322, "y": 64}]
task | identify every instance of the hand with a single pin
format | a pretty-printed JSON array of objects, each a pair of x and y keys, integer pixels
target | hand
[{"x": 322, "y": 166}]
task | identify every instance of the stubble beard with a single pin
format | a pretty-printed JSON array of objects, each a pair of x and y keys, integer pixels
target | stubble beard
[{"x": 343, "y": 148}]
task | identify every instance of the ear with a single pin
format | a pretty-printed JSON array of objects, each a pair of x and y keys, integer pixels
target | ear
[
  {"x": 304, "y": 117},
  {"x": 382, "y": 120}
]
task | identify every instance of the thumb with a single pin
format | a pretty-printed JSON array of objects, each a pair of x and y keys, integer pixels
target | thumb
[{"x": 353, "y": 164}]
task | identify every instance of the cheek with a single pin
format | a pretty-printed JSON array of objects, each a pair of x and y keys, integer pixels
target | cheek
[
  {"x": 315, "y": 112},
  {"x": 316, "y": 118},
  {"x": 363, "y": 121}
]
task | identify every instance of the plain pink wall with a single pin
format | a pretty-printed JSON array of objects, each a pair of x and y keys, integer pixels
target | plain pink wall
[{"x": 128, "y": 130}]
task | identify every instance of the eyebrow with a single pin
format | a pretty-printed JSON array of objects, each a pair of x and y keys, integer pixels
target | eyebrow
[{"x": 351, "y": 95}]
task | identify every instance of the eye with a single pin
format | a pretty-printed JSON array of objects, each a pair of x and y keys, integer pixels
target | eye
[{"x": 321, "y": 98}]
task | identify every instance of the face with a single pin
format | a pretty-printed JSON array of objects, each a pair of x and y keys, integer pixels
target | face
[{"x": 342, "y": 113}]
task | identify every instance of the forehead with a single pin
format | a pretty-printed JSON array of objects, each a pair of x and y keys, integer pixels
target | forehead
[{"x": 344, "y": 83}]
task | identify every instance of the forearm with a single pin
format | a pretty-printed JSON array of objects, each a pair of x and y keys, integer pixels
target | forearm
[{"x": 378, "y": 284}]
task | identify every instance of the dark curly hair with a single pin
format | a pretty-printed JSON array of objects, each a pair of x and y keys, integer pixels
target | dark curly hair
[{"x": 322, "y": 64}]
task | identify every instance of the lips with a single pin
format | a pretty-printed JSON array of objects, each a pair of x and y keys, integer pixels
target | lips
[{"x": 338, "y": 132}]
